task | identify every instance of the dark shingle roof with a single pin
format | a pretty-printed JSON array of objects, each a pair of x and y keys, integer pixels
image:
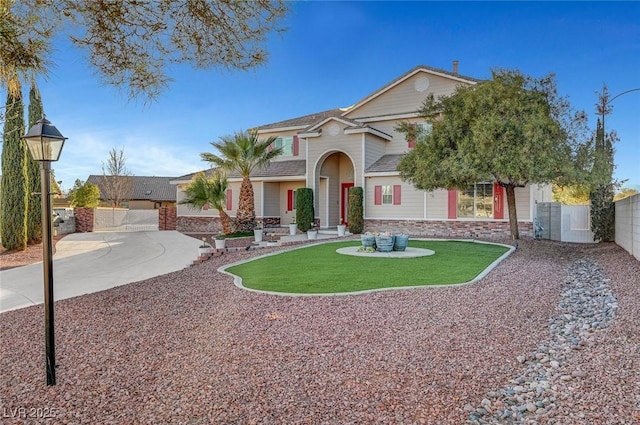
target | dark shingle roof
[
  {"x": 143, "y": 188},
  {"x": 295, "y": 167},
  {"x": 385, "y": 164},
  {"x": 303, "y": 121}
]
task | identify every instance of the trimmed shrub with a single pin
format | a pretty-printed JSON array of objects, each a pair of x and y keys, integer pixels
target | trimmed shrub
[
  {"x": 305, "y": 214},
  {"x": 356, "y": 210}
]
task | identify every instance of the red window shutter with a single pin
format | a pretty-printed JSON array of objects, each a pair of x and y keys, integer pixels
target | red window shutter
[
  {"x": 498, "y": 201},
  {"x": 229, "y": 200},
  {"x": 296, "y": 147},
  {"x": 412, "y": 136},
  {"x": 397, "y": 190},
  {"x": 377, "y": 195},
  {"x": 453, "y": 204},
  {"x": 289, "y": 200}
]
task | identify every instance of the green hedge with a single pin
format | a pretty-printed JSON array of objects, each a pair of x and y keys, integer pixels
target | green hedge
[
  {"x": 356, "y": 211},
  {"x": 305, "y": 214}
]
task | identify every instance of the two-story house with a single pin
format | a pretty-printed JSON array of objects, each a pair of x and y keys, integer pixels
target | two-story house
[{"x": 334, "y": 150}]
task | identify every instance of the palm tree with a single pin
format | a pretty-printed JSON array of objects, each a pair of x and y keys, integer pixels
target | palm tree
[
  {"x": 204, "y": 191},
  {"x": 243, "y": 152}
]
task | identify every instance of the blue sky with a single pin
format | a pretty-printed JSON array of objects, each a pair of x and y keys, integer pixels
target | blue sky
[{"x": 336, "y": 53}]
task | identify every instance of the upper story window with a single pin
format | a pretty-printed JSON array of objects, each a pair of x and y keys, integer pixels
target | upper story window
[
  {"x": 418, "y": 130},
  {"x": 289, "y": 145},
  {"x": 387, "y": 194},
  {"x": 476, "y": 201}
]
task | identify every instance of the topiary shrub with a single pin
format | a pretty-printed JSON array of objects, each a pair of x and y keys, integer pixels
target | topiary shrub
[
  {"x": 603, "y": 213},
  {"x": 305, "y": 214},
  {"x": 356, "y": 211}
]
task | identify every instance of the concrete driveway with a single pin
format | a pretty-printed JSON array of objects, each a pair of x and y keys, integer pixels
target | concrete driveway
[{"x": 92, "y": 262}]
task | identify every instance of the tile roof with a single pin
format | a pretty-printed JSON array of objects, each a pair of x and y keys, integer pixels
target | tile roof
[
  {"x": 143, "y": 187},
  {"x": 385, "y": 164}
]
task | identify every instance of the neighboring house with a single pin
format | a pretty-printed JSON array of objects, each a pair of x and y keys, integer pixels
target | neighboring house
[
  {"x": 334, "y": 150},
  {"x": 143, "y": 192}
]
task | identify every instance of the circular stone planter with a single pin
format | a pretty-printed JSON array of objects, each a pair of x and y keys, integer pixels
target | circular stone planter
[{"x": 407, "y": 253}]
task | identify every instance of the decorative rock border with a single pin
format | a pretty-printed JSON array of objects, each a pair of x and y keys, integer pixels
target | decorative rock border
[{"x": 587, "y": 306}]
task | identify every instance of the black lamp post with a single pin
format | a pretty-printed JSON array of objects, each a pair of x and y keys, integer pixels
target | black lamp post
[{"x": 45, "y": 142}]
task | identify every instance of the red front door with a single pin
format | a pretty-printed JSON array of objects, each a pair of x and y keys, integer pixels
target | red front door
[{"x": 344, "y": 208}]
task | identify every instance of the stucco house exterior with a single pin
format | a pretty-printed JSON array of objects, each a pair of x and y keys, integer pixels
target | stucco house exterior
[{"x": 334, "y": 150}]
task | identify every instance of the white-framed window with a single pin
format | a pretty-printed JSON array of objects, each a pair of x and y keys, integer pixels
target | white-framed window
[
  {"x": 387, "y": 194},
  {"x": 476, "y": 201},
  {"x": 286, "y": 143}
]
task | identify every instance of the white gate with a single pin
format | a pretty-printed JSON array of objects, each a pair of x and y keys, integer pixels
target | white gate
[
  {"x": 576, "y": 224},
  {"x": 123, "y": 220}
]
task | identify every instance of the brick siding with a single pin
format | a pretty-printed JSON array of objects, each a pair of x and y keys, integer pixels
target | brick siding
[
  {"x": 448, "y": 229},
  {"x": 84, "y": 219},
  {"x": 167, "y": 218}
]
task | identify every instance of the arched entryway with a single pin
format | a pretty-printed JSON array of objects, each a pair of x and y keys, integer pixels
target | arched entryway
[{"x": 335, "y": 174}]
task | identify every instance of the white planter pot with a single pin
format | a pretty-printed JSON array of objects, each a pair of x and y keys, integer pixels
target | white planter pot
[
  {"x": 312, "y": 234},
  {"x": 293, "y": 229},
  {"x": 203, "y": 252},
  {"x": 257, "y": 234},
  {"x": 220, "y": 243},
  {"x": 341, "y": 229}
]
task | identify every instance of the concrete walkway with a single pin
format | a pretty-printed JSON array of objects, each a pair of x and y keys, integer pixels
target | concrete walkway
[{"x": 92, "y": 262}]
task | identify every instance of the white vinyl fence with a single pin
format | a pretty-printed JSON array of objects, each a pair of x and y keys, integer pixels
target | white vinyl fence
[
  {"x": 123, "y": 220},
  {"x": 566, "y": 223},
  {"x": 628, "y": 224}
]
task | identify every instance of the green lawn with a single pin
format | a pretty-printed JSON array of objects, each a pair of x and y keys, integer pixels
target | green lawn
[{"x": 319, "y": 269}]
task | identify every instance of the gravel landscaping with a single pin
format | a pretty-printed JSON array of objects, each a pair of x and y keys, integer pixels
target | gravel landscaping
[{"x": 191, "y": 348}]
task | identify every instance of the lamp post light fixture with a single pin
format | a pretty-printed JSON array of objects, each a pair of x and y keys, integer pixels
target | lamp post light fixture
[{"x": 45, "y": 143}]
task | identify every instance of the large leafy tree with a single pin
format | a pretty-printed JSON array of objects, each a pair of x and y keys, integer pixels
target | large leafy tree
[
  {"x": 243, "y": 152},
  {"x": 13, "y": 213},
  {"x": 131, "y": 43},
  {"x": 512, "y": 129},
  {"x": 84, "y": 194},
  {"x": 34, "y": 203},
  {"x": 206, "y": 191}
]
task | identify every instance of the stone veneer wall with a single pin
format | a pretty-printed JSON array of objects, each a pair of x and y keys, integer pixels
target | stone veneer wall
[
  {"x": 84, "y": 219},
  {"x": 455, "y": 229},
  {"x": 212, "y": 224},
  {"x": 167, "y": 218}
]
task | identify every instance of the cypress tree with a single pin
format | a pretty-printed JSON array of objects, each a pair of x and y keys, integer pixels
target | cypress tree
[
  {"x": 13, "y": 218},
  {"x": 34, "y": 202}
]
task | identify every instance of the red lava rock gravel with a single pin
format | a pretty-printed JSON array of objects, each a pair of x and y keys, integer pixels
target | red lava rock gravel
[{"x": 191, "y": 348}]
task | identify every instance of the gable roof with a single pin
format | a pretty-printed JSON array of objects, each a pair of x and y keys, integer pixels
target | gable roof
[
  {"x": 315, "y": 120},
  {"x": 302, "y": 122},
  {"x": 407, "y": 75},
  {"x": 143, "y": 188}
]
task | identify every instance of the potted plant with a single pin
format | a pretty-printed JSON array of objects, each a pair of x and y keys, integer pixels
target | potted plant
[
  {"x": 400, "y": 242},
  {"x": 384, "y": 242},
  {"x": 220, "y": 241},
  {"x": 368, "y": 240},
  {"x": 204, "y": 249},
  {"x": 312, "y": 233},
  {"x": 293, "y": 227},
  {"x": 258, "y": 231},
  {"x": 342, "y": 228}
]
